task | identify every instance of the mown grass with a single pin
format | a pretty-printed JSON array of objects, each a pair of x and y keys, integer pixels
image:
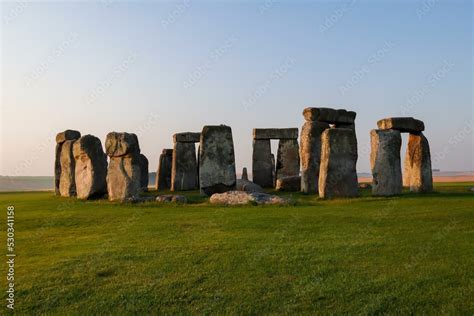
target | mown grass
[{"x": 402, "y": 255}]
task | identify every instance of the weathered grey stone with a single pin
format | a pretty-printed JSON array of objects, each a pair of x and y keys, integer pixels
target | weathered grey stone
[
  {"x": 385, "y": 162},
  {"x": 288, "y": 158},
  {"x": 343, "y": 125},
  {"x": 242, "y": 198},
  {"x": 402, "y": 124},
  {"x": 273, "y": 170},
  {"x": 184, "y": 167},
  {"x": 245, "y": 175},
  {"x": 143, "y": 172},
  {"x": 262, "y": 169},
  {"x": 187, "y": 137},
  {"x": 91, "y": 167},
  {"x": 275, "y": 133},
  {"x": 216, "y": 160},
  {"x": 329, "y": 115},
  {"x": 60, "y": 139},
  {"x": 418, "y": 164},
  {"x": 67, "y": 183},
  {"x": 172, "y": 198},
  {"x": 68, "y": 134},
  {"x": 365, "y": 186},
  {"x": 247, "y": 186},
  {"x": 310, "y": 154},
  {"x": 338, "y": 175},
  {"x": 123, "y": 178},
  {"x": 121, "y": 144},
  {"x": 288, "y": 184},
  {"x": 163, "y": 174}
]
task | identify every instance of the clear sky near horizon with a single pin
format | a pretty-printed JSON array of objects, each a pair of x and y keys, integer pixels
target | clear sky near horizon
[{"x": 157, "y": 68}]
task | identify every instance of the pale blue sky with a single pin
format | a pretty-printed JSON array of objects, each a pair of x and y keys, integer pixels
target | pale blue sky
[{"x": 156, "y": 68}]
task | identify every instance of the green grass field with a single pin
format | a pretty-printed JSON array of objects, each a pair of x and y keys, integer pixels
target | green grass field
[{"x": 401, "y": 255}]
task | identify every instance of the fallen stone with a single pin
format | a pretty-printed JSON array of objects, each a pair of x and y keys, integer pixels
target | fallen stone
[
  {"x": 338, "y": 175},
  {"x": 184, "y": 170},
  {"x": 121, "y": 144},
  {"x": 187, "y": 137},
  {"x": 310, "y": 154},
  {"x": 163, "y": 174},
  {"x": 242, "y": 198},
  {"x": 172, "y": 198},
  {"x": 418, "y": 164},
  {"x": 216, "y": 160},
  {"x": 143, "y": 173},
  {"x": 289, "y": 184},
  {"x": 385, "y": 162},
  {"x": 262, "y": 168},
  {"x": 328, "y": 115},
  {"x": 245, "y": 176},
  {"x": 67, "y": 183},
  {"x": 91, "y": 167},
  {"x": 288, "y": 158},
  {"x": 275, "y": 133},
  {"x": 247, "y": 186},
  {"x": 402, "y": 124}
]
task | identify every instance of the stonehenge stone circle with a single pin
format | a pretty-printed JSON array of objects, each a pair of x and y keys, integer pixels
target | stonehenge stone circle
[
  {"x": 67, "y": 182},
  {"x": 91, "y": 167},
  {"x": 402, "y": 124},
  {"x": 216, "y": 160},
  {"x": 418, "y": 164},
  {"x": 288, "y": 158},
  {"x": 143, "y": 173},
  {"x": 124, "y": 173},
  {"x": 338, "y": 175},
  {"x": 184, "y": 170},
  {"x": 262, "y": 167},
  {"x": 310, "y": 154},
  {"x": 385, "y": 162},
  {"x": 163, "y": 174},
  {"x": 60, "y": 139}
]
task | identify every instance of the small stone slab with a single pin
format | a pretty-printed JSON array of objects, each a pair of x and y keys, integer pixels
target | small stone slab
[
  {"x": 402, "y": 124},
  {"x": 68, "y": 134},
  {"x": 242, "y": 198},
  {"x": 172, "y": 198},
  {"x": 275, "y": 133},
  {"x": 247, "y": 186},
  {"x": 288, "y": 184},
  {"x": 329, "y": 115},
  {"x": 187, "y": 137}
]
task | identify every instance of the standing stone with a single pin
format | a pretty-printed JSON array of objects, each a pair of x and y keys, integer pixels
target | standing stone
[
  {"x": 338, "y": 175},
  {"x": 262, "y": 169},
  {"x": 310, "y": 155},
  {"x": 163, "y": 174},
  {"x": 143, "y": 173},
  {"x": 245, "y": 176},
  {"x": 273, "y": 171},
  {"x": 67, "y": 183},
  {"x": 288, "y": 158},
  {"x": 60, "y": 139},
  {"x": 216, "y": 160},
  {"x": 418, "y": 164},
  {"x": 124, "y": 173},
  {"x": 91, "y": 167},
  {"x": 184, "y": 167},
  {"x": 385, "y": 162}
]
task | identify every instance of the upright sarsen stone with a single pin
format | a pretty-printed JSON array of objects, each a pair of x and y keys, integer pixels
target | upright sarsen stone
[
  {"x": 124, "y": 172},
  {"x": 338, "y": 175},
  {"x": 418, "y": 164},
  {"x": 288, "y": 158},
  {"x": 184, "y": 167},
  {"x": 216, "y": 160},
  {"x": 163, "y": 174},
  {"x": 385, "y": 162},
  {"x": 60, "y": 139},
  {"x": 143, "y": 173},
  {"x": 310, "y": 154},
  {"x": 67, "y": 183},
  {"x": 91, "y": 167},
  {"x": 262, "y": 168}
]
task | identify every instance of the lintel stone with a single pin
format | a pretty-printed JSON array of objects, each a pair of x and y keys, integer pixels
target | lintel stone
[
  {"x": 275, "y": 133},
  {"x": 187, "y": 137}
]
